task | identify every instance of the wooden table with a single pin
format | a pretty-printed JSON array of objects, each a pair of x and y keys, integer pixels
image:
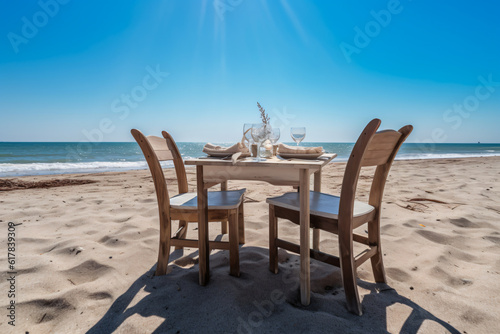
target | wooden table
[{"x": 277, "y": 171}]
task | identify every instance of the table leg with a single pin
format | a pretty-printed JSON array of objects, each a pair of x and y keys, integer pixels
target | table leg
[
  {"x": 223, "y": 187},
  {"x": 203, "y": 251},
  {"x": 317, "y": 187},
  {"x": 305, "y": 269}
]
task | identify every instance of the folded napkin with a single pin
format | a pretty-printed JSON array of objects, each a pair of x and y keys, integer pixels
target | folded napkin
[
  {"x": 211, "y": 149},
  {"x": 282, "y": 148}
]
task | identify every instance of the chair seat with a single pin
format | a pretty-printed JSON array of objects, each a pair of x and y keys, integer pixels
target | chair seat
[
  {"x": 323, "y": 205},
  {"x": 217, "y": 200}
]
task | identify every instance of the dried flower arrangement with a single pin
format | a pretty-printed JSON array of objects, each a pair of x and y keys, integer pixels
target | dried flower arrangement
[{"x": 263, "y": 115}]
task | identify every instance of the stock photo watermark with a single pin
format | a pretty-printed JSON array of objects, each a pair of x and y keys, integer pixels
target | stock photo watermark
[
  {"x": 470, "y": 103},
  {"x": 222, "y": 6},
  {"x": 32, "y": 24},
  {"x": 455, "y": 115},
  {"x": 364, "y": 36},
  {"x": 281, "y": 118},
  {"x": 263, "y": 309},
  {"x": 11, "y": 273},
  {"x": 121, "y": 107}
]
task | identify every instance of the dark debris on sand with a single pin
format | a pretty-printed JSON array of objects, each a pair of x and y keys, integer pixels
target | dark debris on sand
[{"x": 13, "y": 184}]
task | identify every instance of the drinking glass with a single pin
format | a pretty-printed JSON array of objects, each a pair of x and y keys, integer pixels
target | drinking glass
[
  {"x": 247, "y": 132},
  {"x": 259, "y": 134},
  {"x": 274, "y": 136},
  {"x": 298, "y": 134}
]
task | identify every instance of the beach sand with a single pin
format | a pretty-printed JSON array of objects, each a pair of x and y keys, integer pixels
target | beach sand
[{"x": 85, "y": 256}]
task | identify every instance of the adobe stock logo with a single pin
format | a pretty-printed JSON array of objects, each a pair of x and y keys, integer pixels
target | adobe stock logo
[
  {"x": 138, "y": 93},
  {"x": 372, "y": 29},
  {"x": 222, "y": 6},
  {"x": 456, "y": 114},
  {"x": 39, "y": 19},
  {"x": 121, "y": 106}
]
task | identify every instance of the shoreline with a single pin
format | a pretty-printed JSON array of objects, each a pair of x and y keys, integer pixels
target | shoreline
[
  {"x": 171, "y": 167},
  {"x": 29, "y": 159}
]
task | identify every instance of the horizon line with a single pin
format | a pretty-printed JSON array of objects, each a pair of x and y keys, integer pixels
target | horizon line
[{"x": 204, "y": 142}]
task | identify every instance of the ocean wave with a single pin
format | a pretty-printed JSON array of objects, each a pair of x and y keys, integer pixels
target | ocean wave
[
  {"x": 15, "y": 169},
  {"x": 409, "y": 156},
  {"x": 7, "y": 170},
  {"x": 425, "y": 156}
]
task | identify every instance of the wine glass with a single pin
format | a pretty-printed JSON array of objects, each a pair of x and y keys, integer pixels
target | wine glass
[
  {"x": 259, "y": 134},
  {"x": 274, "y": 136},
  {"x": 298, "y": 134},
  {"x": 247, "y": 132}
]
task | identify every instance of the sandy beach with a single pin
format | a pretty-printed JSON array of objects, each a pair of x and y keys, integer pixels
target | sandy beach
[{"x": 85, "y": 254}]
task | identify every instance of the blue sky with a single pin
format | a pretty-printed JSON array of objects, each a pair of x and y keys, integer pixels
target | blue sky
[{"x": 92, "y": 70}]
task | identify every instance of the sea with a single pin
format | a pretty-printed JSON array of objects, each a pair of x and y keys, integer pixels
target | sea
[{"x": 23, "y": 158}]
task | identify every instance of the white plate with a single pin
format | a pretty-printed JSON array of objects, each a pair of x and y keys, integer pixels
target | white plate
[
  {"x": 222, "y": 154},
  {"x": 218, "y": 154},
  {"x": 300, "y": 155}
]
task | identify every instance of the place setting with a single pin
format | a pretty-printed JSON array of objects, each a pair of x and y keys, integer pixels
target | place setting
[
  {"x": 260, "y": 143},
  {"x": 234, "y": 152},
  {"x": 299, "y": 152}
]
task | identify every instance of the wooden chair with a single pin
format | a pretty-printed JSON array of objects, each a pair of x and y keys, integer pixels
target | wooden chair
[
  {"x": 340, "y": 215},
  {"x": 222, "y": 205}
]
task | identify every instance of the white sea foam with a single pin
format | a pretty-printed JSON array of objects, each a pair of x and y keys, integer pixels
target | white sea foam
[
  {"x": 444, "y": 155},
  {"x": 12, "y": 170},
  {"x": 418, "y": 156},
  {"x": 9, "y": 170}
]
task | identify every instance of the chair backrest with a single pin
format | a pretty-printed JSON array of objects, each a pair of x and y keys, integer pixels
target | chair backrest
[
  {"x": 371, "y": 149},
  {"x": 156, "y": 149},
  {"x": 180, "y": 170}
]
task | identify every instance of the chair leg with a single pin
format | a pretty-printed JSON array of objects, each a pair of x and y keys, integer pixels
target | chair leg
[
  {"x": 241, "y": 224},
  {"x": 223, "y": 227},
  {"x": 234, "y": 256},
  {"x": 316, "y": 239},
  {"x": 183, "y": 234},
  {"x": 348, "y": 269},
  {"x": 164, "y": 249},
  {"x": 377, "y": 259},
  {"x": 273, "y": 236}
]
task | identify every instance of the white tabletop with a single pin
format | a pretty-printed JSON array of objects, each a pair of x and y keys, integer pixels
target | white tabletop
[{"x": 316, "y": 163}]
